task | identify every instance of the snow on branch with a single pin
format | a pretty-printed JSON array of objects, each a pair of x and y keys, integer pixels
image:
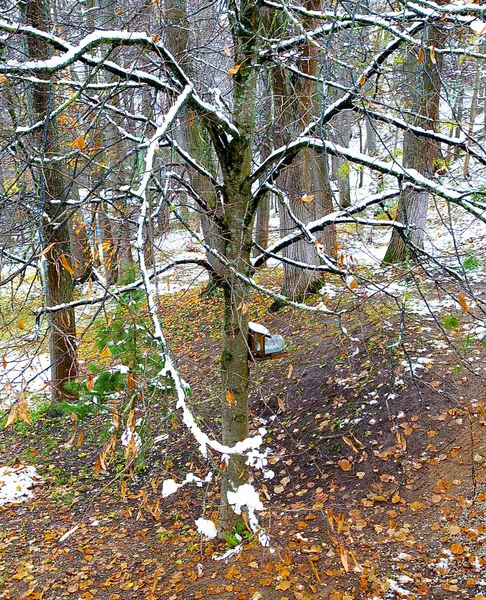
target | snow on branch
[
  {"x": 345, "y": 215},
  {"x": 411, "y": 176},
  {"x": 419, "y": 131},
  {"x": 80, "y": 52}
]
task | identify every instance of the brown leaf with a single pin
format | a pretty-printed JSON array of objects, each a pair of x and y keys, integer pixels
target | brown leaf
[
  {"x": 433, "y": 60},
  {"x": 421, "y": 56},
  {"x": 227, "y": 50}
]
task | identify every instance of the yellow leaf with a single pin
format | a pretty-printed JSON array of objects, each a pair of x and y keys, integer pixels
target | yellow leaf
[
  {"x": 416, "y": 505},
  {"x": 233, "y": 70},
  {"x": 283, "y": 585},
  {"x": 421, "y": 56},
  {"x": 4, "y": 363},
  {"x": 79, "y": 143},
  {"x": 3, "y": 79},
  {"x": 353, "y": 284},
  {"x": 306, "y": 198},
  {"x": 155, "y": 39},
  {"x": 349, "y": 443},
  {"x": 344, "y": 558},
  {"x": 230, "y": 398},
  {"x": 21, "y": 324},
  {"x": 23, "y": 411},
  {"x": 45, "y": 251},
  {"x": 362, "y": 80},
  {"x": 80, "y": 439},
  {"x": 105, "y": 353},
  {"x": 12, "y": 416},
  {"x": 66, "y": 265}
]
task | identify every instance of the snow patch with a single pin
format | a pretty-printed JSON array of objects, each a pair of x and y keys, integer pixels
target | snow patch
[
  {"x": 16, "y": 484},
  {"x": 207, "y": 528}
]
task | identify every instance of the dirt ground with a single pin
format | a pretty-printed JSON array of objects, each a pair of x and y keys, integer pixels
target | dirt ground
[{"x": 379, "y": 460}]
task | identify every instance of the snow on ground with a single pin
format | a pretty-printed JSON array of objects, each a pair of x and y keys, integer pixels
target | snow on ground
[
  {"x": 22, "y": 373},
  {"x": 16, "y": 484}
]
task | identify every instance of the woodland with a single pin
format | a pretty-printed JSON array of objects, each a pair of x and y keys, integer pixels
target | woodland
[{"x": 242, "y": 299}]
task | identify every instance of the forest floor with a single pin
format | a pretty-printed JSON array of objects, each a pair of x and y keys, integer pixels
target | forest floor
[{"x": 376, "y": 427}]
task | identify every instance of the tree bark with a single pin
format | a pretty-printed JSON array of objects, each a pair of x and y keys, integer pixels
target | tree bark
[
  {"x": 419, "y": 153},
  {"x": 55, "y": 234}
]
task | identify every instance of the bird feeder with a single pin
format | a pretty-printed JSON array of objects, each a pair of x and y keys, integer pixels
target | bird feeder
[{"x": 263, "y": 345}]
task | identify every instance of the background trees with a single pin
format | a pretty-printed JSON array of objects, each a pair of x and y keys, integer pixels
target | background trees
[{"x": 208, "y": 113}]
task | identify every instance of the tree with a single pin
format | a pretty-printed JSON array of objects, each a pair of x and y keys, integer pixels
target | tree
[
  {"x": 419, "y": 152},
  {"x": 53, "y": 189},
  {"x": 233, "y": 174}
]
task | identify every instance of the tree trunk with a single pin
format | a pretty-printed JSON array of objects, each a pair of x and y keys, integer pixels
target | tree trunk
[
  {"x": 308, "y": 176},
  {"x": 55, "y": 235},
  {"x": 262, "y": 224},
  {"x": 419, "y": 153},
  {"x": 81, "y": 250}
]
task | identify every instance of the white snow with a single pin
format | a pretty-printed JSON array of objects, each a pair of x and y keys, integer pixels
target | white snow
[
  {"x": 127, "y": 435},
  {"x": 245, "y": 495},
  {"x": 207, "y": 528},
  {"x": 22, "y": 373},
  {"x": 16, "y": 483},
  {"x": 258, "y": 328}
]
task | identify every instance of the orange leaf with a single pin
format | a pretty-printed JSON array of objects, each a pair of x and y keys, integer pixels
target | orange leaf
[
  {"x": 79, "y": 143},
  {"x": 66, "y": 265},
  {"x": 233, "y": 70},
  {"x": 344, "y": 464},
  {"x": 21, "y": 324},
  {"x": 457, "y": 549},
  {"x": 362, "y": 80},
  {"x": 90, "y": 382},
  {"x": 421, "y": 56},
  {"x": 130, "y": 381},
  {"x": 463, "y": 302},
  {"x": 230, "y": 398}
]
